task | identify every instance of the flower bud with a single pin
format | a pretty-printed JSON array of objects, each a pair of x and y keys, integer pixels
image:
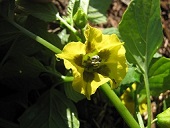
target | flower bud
[{"x": 80, "y": 18}]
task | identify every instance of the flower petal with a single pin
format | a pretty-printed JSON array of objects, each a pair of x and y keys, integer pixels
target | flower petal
[
  {"x": 71, "y": 50},
  {"x": 116, "y": 62},
  {"x": 90, "y": 86},
  {"x": 71, "y": 55},
  {"x": 93, "y": 36},
  {"x": 108, "y": 41}
]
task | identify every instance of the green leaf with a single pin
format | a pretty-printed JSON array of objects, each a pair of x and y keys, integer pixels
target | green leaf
[
  {"x": 63, "y": 36},
  {"x": 164, "y": 119},
  {"x": 110, "y": 31},
  {"x": 8, "y": 32},
  {"x": 131, "y": 77},
  {"x": 84, "y": 4},
  {"x": 141, "y": 30},
  {"x": 159, "y": 75},
  {"x": 72, "y": 8},
  {"x": 7, "y": 8},
  {"x": 22, "y": 71},
  {"x": 70, "y": 13},
  {"x": 97, "y": 11},
  {"x": 52, "y": 110},
  {"x": 46, "y": 12}
]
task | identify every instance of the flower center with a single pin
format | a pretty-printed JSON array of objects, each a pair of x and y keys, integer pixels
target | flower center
[{"x": 91, "y": 62}]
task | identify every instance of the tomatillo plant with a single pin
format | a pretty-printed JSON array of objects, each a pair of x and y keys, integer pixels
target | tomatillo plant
[{"x": 78, "y": 60}]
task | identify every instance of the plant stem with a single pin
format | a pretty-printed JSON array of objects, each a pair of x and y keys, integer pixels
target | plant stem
[
  {"x": 65, "y": 23},
  {"x": 140, "y": 120},
  {"x": 153, "y": 121},
  {"x": 114, "y": 99},
  {"x": 145, "y": 75},
  {"x": 35, "y": 37},
  {"x": 67, "y": 78}
]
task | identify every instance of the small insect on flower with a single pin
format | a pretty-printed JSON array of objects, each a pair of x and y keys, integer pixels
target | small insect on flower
[
  {"x": 91, "y": 62},
  {"x": 95, "y": 61}
]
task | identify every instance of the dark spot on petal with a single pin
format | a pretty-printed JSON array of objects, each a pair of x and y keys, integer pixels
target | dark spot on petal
[
  {"x": 103, "y": 70},
  {"x": 114, "y": 81},
  {"x": 78, "y": 60},
  {"x": 88, "y": 76},
  {"x": 89, "y": 47},
  {"x": 104, "y": 54}
]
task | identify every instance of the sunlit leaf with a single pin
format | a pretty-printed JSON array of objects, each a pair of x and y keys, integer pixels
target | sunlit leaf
[
  {"x": 52, "y": 110},
  {"x": 72, "y": 8},
  {"x": 159, "y": 75},
  {"x": 164, "y": 119},
  {"x": 97, "y": 10},
  {"x": 70, "y": 11},
  {"x": 141, "y": 30}
]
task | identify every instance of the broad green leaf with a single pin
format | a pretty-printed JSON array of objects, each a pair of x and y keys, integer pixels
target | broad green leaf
[
  {"x": 132, "y": 76},
  {"x": 52, "y": 110},
  {"x": 141, "y": 30},
  {"x": 97, "y": 10},
  {"x": 159, "y": 75},
  {"x": 22, "y": 72},
  {"x": 46, "y": 12},
  {"x": 163, "y": 119}
]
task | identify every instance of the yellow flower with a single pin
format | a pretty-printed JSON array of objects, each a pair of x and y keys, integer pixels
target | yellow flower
[
  {"x": 99, "y": 60},
  {"x": 128, "y": 100}
]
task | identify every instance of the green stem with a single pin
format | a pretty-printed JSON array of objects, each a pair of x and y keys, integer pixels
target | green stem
[
  {"x": 67, "y": 78},
  {"x": 153, "y": 121},
  {"x": 65, "y": 23},
  {"x": 114, "y": 99},
  {"x": 145, "y": 75},
  {"x": 35, "y": 37},
  {"x": 140, "y": 120}
]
